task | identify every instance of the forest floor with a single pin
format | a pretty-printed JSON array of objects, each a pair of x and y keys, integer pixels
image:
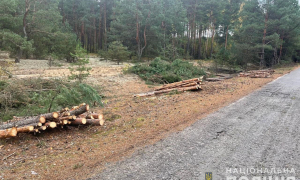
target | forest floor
[{"x": 131, "y": 123}]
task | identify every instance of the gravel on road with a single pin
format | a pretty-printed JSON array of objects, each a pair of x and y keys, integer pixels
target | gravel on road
[{"x": 259, "y": 131}]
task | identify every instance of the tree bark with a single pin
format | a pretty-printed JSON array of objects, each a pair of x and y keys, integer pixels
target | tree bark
[
  {"x": 226, "y": 39},
  {"x": 200, "y": 41},
  {"x": 79, "y": 121},
  {"x": 23, "y": 122},
  {"x": 262, "y": 59},
  {"x": 80, "y": 110},
  {"x": 25, "y": 129},
  {"x": 95, "y": 122}
]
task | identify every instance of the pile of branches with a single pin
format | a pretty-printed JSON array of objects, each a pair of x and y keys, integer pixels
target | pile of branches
[
  {"x": 265, "y": 73},
  {"x": 186, "y": 85},
  {"x": 78, "y": 115}
]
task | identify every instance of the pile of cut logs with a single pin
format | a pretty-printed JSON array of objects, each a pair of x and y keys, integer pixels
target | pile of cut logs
[
  {"x": 186, "y": 85},
  {"x": 266, "y": 73},
  {"x": 78, "y": 115}
]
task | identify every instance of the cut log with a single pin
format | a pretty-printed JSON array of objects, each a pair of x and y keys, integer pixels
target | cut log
[
  {"x": 50, "y": 116},
  {"x": 25, "y": 129},
  {"x": 63, "y": 122},
  {"x": 80, "y": 110},
  {"x": 8, "y": 133},
  {"x": 145, "y": 94},
  {"x": 214, "y": 79},
  {"x": 23, "y": 122},
  {"x": 95, "y": 122},
  {"x": 67, "y": 118},
  {"x": 92, "y": 116},
  {"x": 79, "y": 121},
  {"x": 65, "y": 114},
  {"x": 177, "y": 84},
  {"x": 43, "y": 128},
  {"x": 178, "y": 89},
  {"x": 74, "y": 108},
  {"x": 51, "y": 125},
  {"x": 64, "y": 110}
]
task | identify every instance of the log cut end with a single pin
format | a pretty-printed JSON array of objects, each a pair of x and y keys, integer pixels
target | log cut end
[
  {"x": 9, "y": 133},
  {"x": 51, "y": 125},
  {"x": 42, "y": 119}
]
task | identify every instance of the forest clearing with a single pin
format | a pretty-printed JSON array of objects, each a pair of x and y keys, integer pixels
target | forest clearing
[
  {"x": 131, "y": 123},
  {"x": 85, "y": 83}
]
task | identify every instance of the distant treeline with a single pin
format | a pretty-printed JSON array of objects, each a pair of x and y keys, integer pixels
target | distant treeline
[{"x": 234, "y": 32}]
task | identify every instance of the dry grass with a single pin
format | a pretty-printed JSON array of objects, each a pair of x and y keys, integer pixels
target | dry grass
[{"x": 78, "y": 153}]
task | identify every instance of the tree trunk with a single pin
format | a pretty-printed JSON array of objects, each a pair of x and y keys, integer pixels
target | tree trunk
[
  {"x": 262, "y": 59},
  {"x": 200, "y": 41},
  {"x": 226, "y": 39},
  {"x": 95, "y": 122},
  {"x": 105, "y": 27},
  {"x": 25, "y": 129},
  {"x": 80, "y": 110},
  {"x": 79, "y": 121},
  {"x": 212, "y": 41},
  {"x": 23, "y": 122}
]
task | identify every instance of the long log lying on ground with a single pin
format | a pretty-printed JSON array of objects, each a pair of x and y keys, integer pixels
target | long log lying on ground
[
  {"x": 23, "y": 122},
  {"x": 186, "y": 85},
  {"x": 8, "y": 133},
  {"x": 95, "y": 122},
  {"x": 265, "y": 73},
  {"x": 94, "y": 116},
  {"x": 79, "y": 121},
  {"x": 25, "y": 129},
  {"x": 178, "y": 89},
  {"x": 80, "y": 110},
  {"x": 181, "y": 83},
  {"x": 50, "y": 116}
]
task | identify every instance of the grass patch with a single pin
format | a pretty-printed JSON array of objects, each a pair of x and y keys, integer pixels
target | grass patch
[
  {"x": 159, "y": 71},
  {"x": 112, "y": 117},
  {"x": 77, "y": 166}
]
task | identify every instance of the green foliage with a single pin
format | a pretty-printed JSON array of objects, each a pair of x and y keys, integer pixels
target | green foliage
[
  {"x": 35, "y": 33},
  {"x": 159, "y": 71},
  {"x": 80, "y": 72},
  {"x": 37, "y": 96},
  {"x": 117, "y": 52}
]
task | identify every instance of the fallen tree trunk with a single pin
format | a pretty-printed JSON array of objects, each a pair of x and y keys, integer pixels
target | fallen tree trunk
[
  {"x": 178, "y": 84},
  {"x": 50, "y": 116},
  {"x": 8, "y": 133},
  {"x": 79, "y": 121},
  {"x": 23, "y": 122},
  {"x": 178, "y": 89},
  {"x": 80, "y": 110},
  {"x": 95, "y": 122},
  {"x": 25, "y": 129}
]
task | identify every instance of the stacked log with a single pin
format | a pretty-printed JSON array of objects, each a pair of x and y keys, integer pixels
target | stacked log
[
  {"x": 77, "y": 115},
  {"x": 186, "y": 85},
  {"x": 265, "y": 73}
]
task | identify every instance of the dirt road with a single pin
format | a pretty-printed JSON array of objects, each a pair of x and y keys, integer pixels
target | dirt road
[{"x": 260, "y": 131}]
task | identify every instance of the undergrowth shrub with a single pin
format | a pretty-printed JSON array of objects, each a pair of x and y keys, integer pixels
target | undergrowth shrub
[
  {"x": 159, "y": 71},
  {"x": 37, "y": 96}
]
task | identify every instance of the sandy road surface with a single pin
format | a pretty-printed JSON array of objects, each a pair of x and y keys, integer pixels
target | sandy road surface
[{"x": 261, "y": 131}]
